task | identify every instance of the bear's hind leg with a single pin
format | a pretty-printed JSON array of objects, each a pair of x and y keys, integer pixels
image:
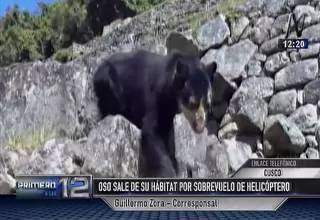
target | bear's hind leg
[{"x": 109, "y": 90}]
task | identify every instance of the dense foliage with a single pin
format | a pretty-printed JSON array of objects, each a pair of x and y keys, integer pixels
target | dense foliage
[{"x": 26, "y": 36}]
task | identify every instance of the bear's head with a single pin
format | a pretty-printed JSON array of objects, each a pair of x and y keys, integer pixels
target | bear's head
[{"x": 193, "y": 84}]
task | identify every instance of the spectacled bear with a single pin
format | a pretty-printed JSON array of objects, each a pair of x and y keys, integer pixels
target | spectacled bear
[{"x": 149, "y": 90}]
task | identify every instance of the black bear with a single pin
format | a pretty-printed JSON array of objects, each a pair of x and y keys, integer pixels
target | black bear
[{"x": 149, "y": 90}]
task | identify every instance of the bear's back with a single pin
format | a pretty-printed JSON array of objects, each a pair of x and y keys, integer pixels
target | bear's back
[
  {"x": 139, "y": 72},
  {"x": 139, "y": 63}
]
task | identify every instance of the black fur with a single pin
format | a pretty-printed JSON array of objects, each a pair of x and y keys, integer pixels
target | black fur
[{"x": 145, "y": 88}]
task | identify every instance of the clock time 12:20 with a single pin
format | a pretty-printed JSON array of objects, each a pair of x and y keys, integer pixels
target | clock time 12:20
[{"x": 293, "y": 43}]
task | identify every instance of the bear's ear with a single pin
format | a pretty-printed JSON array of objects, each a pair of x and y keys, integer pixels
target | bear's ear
[
  {"x": 176, "y": 41},
  {"x": 211, "y": 69},
  {"x": 181, "y": 73}
]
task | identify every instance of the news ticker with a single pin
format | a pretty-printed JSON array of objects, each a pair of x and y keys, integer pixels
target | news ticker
[
  {"x": 170, "y": 194},
  {"x": 65, "y": 187},
  {"x": 257, "y": 177},
  {"x": 258, "y": 185}
]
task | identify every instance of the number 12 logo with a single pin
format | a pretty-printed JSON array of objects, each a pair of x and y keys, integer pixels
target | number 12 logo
[{"x": 75, "y": 187}]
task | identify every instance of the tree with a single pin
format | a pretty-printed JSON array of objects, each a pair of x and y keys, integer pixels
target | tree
[
  {"x": 18, "y": 37},
  {"x": 27, "y": 37}
]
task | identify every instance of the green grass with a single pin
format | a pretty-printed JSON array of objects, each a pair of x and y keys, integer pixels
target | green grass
[
  {"x": 30, "y": 141},
  {"x": 63, "y": 56},
  {"x": 140, "y": 6},
  {"x": 225, "y": 7}
]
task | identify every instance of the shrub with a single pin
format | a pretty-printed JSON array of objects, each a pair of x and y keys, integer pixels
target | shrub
[{"x": 63, "y": 56}]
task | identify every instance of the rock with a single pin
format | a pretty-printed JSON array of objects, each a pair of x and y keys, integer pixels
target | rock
[
  {"x": 113, "y": 149},
  {"x": 227, "y": 118},
  {"x": 317, "y": 6},
  {"x": 187, "y": 34},
  {"x": 317, "y": 132},
  {"x": 283, "y": 135},
  {"x": 176, "y": 41},
  {"x": 248, "y": 111},
  {"x": 311, "y": 33},
  {"x": 199, "y": 170},
  {"x": 57, "y": 156},
  {"x": 294, "y": 56},
  {"x": 147, "y": 42},
  {"x": 259, "y": 146},
  {"x": 312, "y": 92},
  {"x": 113, "y": 25},
  {"x": 246, "y": 33},
  {"x": 254, "y": 15},
  {"x": 284, "y": 102},
  {"x": 213, "y": 32},
  {"x": 271, "y": 46},
  {"x": 228, "y": 131},
  {"x": 243, "y": 76},
  {"x": 311, "y": 141},
  {"x": 259, "y": 154},
  {"x": 217, "y": 159},
  {"x": 273, "y": 8},
  {"x": 303, "y": 156},
  {"x": 305, "y": 117},
  {"x": 143, "y": 27},
  {"x": 7, "y": 184},
  {"x": 46, "y": 97},
  {"x": 297, "y": 74},
  {"x": 300, "y": 97},
  {"x": 161, "y": 49},
  {"x": 259, "y": 57},
  {"x": 250, "y": 6},
  {"x": 311, "y": 15},
  {"x": 254, "y": 68},
  {"x": 312, "y": 51},
  {"x": 238, "y": 152},
  {"x": 190, "y": 147},
  {"x": 200, "y": 152},
  {"x": 280, "y": 25},
  {"x": 238, "y": 27},
  {"x": 260, "y": 31},
  {"x": 293, "y": 3},
  {"x": 252, "y": 140},
  {"x": 276, "y": 62},
  {"x": 268, "y": 149},
  {"x": 11, "y": 158},
  {"x": 262, "y": 87},
  {"x": 312, "y": 153},
  {"x": 231, "y": 59}
]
